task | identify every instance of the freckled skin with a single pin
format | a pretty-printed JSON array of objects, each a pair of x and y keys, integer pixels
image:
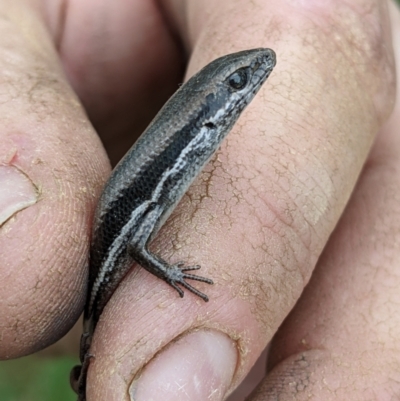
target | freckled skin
[{"x": 150, "y": 180}]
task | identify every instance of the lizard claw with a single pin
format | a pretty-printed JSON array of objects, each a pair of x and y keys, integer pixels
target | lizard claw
[{"x": 176, "y": 275}]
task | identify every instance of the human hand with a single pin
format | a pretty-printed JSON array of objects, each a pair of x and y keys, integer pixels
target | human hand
[
  {"x": 52, "y": 164},
  {"x": 274, "y": 194}
]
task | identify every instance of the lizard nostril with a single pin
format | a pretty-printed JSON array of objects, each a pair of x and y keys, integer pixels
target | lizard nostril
[{"x": 152, "y": 178}]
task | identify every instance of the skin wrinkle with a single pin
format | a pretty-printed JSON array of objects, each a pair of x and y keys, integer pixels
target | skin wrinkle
[
  {"x": 299, "y": 205},
  {"x": 42, "y": 92},
  {"x": 290, "y": 380},
  {"x": 228, "y": 213},
  {"x": 254, "y": 274},
  {"x": 269, "y": 204},
  {"x": 325, "y": 202},
  {"x": 50, "y": 273},
  {"x": 316, "y": 179},
  {"x": 329, "y": 191},
  {"x": 143, "y": 341},
  {"x": 367, "y": 293},
  {"x": 256, "y": 213}
]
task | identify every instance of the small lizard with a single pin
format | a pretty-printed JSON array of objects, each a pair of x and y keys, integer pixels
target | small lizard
[{"x": 150, "y": 180}]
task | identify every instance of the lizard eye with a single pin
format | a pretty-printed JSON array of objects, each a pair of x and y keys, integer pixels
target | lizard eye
[{"x": 238, "y": 79}]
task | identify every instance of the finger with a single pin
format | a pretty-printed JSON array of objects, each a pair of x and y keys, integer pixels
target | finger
[
  {"x": 110, "y": 51},
  {"x": 341, "y": 340},
  {"x": 52, "y": 167},
  {"x": 259, "y": 216}
]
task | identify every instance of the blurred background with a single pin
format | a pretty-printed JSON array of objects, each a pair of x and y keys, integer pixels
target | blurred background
[{"x": 43, "y": 376}]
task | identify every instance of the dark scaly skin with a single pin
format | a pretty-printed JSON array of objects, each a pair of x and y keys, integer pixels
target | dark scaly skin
[{"x": 146, "y": 185}]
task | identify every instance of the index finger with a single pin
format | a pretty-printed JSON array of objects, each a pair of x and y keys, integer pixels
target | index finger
[{"x": 259, "y": 216}]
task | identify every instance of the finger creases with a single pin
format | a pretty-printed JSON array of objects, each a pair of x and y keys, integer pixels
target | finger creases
[
  {"x": 344, "y": 330},
  {"x": 259, "y": 216},
  {"x": 52, "y": 167}
]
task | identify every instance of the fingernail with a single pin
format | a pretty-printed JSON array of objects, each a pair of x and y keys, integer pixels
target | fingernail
[
  {"x": 198, "y": 367},
  {"x": 16, "y": 192}
]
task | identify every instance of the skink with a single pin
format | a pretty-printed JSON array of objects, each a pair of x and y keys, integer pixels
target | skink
[{"x": 150, "y": 180}]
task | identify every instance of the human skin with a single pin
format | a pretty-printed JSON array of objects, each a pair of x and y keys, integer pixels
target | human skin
[{"x": 296, "y": 219}]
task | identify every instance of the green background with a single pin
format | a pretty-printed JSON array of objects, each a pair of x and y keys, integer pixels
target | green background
[{"x": 36, "y": 378}]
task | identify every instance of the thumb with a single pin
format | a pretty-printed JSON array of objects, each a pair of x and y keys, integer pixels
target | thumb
[{"x": 52, "y": 167}]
